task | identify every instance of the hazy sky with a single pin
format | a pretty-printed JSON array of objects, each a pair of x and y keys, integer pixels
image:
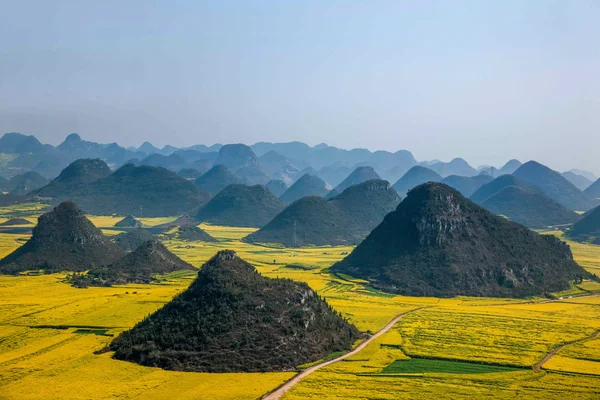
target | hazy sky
[{"x": 484, "y": 80}]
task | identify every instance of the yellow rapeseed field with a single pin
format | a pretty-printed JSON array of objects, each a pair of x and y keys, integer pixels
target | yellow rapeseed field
[{"x": 49, "y": 332}]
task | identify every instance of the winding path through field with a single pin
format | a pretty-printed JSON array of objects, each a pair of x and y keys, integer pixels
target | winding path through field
[
  {"x": 283, "y": 389},
  {"x": 539, "y": 365}
]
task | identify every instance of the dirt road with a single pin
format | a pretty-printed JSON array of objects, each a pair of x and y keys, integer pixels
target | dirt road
[
  {"x": 539, "y": 365},
  {"x": 283, "y": 389}
]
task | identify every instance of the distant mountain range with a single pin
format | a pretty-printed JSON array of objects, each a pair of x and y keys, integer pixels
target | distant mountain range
[{"x": 255, "y": 164}]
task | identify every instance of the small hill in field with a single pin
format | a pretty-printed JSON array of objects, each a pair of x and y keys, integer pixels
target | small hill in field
[
  {"x": 16, "y": 221},
  {"x": 277, "y": 187},
  {"x": 307, "y": 185},
  {"x": 241, "y": 205},
  {"x": 530, "y": 208},
  {"x": 128, "y": 222},
  {"x": 579, "y": 181},
  {"x": 438, "y": 243},
  {"x": 184, "y": 220},
  {"x": 359, "y": 175},
  {"x": 415, "y": 176},
  {"x": 345, "y": 219},
  {"x": 150, "y": 258},
  {"x": 216, "y": 179},
  {"x": 190, "y": 233},
  {"x": 133, "y": 239},
  {"x": 64, "y": 239},
  {"x": 588, "y": 229},
  {"x": 260, "y": 324},
  {"x": 593, "y": 190},
  {"x": 555, "y": 186},
  {"x": 467, "y": 185}
]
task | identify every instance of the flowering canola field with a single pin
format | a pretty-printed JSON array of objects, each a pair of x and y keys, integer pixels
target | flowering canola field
[{"x": 442, "y": 348}]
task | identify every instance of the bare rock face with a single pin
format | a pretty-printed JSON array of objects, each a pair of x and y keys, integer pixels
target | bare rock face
[
  {"x": 438, "y": 243},
  {"x": 64, "y": 239},
  {"x": 436, "y": 228}
]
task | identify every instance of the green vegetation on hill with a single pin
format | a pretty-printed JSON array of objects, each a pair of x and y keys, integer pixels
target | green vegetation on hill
[
  {"x": 529, "y": 208},
  {"x": 345, "y": 219},
  {"x": 241, "y": 205},
  {"x": 438, "y": 243},
  {"x": 359, "y": 175},
  {"x": 307, "y": 185},
  {"x": 133, "y": 239},
  {"x": 151, "y": 191},
  {"x": 414, "y": 177},
  {"x": 588, "y": 229},
  {"x": 150, "y": 258},
  {"x": 216, "y": 179},
  {"x": 555, "y": 186},
  {"x": 523, "y": 203},
  {"x": 593, "y": 190},
  {"x": 232, "y": 319},
  {"x": 64, "y": 239},
  {"x": 190, "y": 233},
  {"x": 277, "y": 187},
  {"x": 467, "y": 185},
  {"x": 128, "y": 222},
  {"x": 15, "y": 221},
  {"x": 21, "y": 185},
  {"x": 500, "y": 183}
]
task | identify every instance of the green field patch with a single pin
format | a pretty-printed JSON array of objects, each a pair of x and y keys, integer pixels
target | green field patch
[
  {"x": 97, "y": 332},
  {"x": 422, "y": 365}
]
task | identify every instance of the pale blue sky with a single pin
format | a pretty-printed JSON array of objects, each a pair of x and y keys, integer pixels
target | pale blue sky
[{"x": 485, "y": 80}]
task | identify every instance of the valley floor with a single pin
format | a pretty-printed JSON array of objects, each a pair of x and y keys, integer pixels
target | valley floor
[{"x": 442, "y": 348}]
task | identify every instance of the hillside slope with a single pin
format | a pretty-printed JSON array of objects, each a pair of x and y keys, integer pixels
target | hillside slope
[
  {"x": 260, "y": 324},
  {"x": 344, "y": 219},
  {"x": 438, "y": 243},
  {"x": 241, "y": 205},
  {"x": 63, "y": 239},
  {"x": 555, "y": 186}
]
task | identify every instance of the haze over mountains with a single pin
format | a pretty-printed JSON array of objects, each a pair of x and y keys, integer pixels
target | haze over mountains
[
  {"x": 143, "y": 181},
  {"x": 282, "y": 161}
]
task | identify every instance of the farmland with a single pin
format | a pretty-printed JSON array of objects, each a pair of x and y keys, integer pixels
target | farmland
[{"x": 447, "y": 348}]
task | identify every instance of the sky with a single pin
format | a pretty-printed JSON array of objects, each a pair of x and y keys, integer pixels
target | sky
[{"x": 484, "y": 80}]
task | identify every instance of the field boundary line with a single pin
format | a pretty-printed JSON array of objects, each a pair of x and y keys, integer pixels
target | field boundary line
[{"x": 284, "y": 388}]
